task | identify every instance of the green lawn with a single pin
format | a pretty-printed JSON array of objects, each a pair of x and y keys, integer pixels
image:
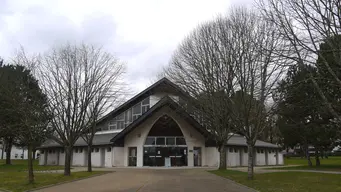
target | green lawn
[
  {"x": 286, "y": 181},
  {"x": 14, "y": 177},
  {"x": 330, "y": 164}
]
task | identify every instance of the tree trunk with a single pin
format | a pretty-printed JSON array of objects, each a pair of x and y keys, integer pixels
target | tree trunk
[
  {"x": 9, "y": 143},
  {"x": 222, "y": 155},
  {"x": 67, "y": 166},
  {"x": 89, "y": 158},
  {"x": 34, "y": 153},
  {"x": 30, "y": 164},
  {"x": 3, "y": 149},
  {"x": 250, "y": 162}
]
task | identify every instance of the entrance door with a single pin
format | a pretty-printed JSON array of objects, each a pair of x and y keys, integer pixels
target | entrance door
[
  {"x": 197, "y": 156},
  {"x": 132, "y": 156}
]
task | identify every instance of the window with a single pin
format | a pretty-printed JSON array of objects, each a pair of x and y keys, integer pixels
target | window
[
  {"x": 170, "y": 141},
  {"x": 120, "y": 124},
  {"x": 235, "y": 150},
  {"x": 180, "y": 141},
  {"x": 50, "y": 151},
  {"x": 230, "y": 150},
  {"x": 160, "y": 141},
  {"x": 76, "y": 150},
  {"x": 109, "y": 149},
  {"x": 145, "y": 108},
  {"x": 145, "y": 101},
  {"x": 62, "y": 150},
  {"x": 112, "y": 124},
  {"x": 80, "y": 150},
  {"x": 258, "y": 151},
  {"x": 16, "y": 155},
  {"x": 42, "y": 151},
  {"x": 128, "y": 117},
  {"x": 150, "y": 141},
  {"x": 262, "y": 150},
  {"x": 97, "y": 150},
  {"x": 269, "y": 151},
  {"x": 92, "y": 150},
  {"x": 245, "y": 150},
  {"x": 137, "y": 109}
]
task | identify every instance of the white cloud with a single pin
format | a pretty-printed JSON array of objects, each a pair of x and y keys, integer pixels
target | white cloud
[{"x": 142, "y": 33}]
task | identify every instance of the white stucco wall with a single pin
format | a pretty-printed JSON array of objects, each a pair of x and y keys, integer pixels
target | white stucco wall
[
  {"x": 233, "y": 158},
  {"x": 78, "y": 159},
  {"x": 52, "y": 157},
  {"x": 245, "y": 157},
  {"x": 17, "y": 152},
  {"x": 212, "y": 157},
  {"x": 96, "y": 158},
  {"x": 137, "y": 137},
  {"x": 42, "y": 157},
  {"x": 260, "y": 157},
  {"x": 61, "y": 158},
  {"x": 108, "y": 156},
  {"x": 280, "y": 158},
  {"x": 271, "y": 157},
  {"x": 118, "y": 156}
]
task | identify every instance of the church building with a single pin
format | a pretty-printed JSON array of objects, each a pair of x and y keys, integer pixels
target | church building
[{"x": 153, "y": 129}]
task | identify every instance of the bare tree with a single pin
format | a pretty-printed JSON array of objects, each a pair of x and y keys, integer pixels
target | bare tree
[
  {"x": 108, "y": 88},
  {"x": 230, "y": 66},
  {"x": 200, "y": 66},
  {"x": 305, "y": 24},
  {"x": 78, "y": 81}
]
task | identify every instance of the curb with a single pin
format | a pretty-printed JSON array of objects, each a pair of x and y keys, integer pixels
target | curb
[{"x": 64, "y": 182}]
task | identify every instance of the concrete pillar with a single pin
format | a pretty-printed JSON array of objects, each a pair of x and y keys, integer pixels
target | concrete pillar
[
  {"x": 266, "y": 157},
  {"x": 190, "y": 159}
]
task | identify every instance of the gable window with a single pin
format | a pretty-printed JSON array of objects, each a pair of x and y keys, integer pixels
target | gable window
[
  {"x": 112, "y": 124},
  {"x": 137, "y": 112},
  {"x": 145, "y": 105},
  {"x": 120, "y": 121},
  {"x": 109, "y": 149},
  {"x": 128, "y": 118},
  {"x": 97, "y": 150}
]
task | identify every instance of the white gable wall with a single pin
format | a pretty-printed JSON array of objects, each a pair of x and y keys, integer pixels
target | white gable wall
[
  {"x": 271, "y": 157},
  {"x": 137, "y": 137}
]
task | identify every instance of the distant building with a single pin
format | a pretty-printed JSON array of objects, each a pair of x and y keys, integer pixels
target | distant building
[{"x": 153, "y": 129}]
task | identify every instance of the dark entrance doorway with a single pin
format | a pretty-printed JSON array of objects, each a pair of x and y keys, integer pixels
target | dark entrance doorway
[{"x": 165, "y": 144}]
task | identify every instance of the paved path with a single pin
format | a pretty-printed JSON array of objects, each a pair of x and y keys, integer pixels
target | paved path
[
  {"x": 266, "y": 170},
  {"x": 152, "y": 180}
]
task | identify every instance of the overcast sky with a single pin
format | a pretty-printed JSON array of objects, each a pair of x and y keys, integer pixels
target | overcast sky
[{"x": 143, "y": 33}]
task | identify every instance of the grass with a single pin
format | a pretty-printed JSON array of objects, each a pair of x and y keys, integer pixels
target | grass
[
  {"x": 330, "y": 164},
  {"x": 14, "y": 177},
  {"x": 286, "y": 181}
]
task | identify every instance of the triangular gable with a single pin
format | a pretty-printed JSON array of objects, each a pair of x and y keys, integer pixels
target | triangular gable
[
  {"x": 165, "y": 101},
  {"x": 139, "y": 97}
]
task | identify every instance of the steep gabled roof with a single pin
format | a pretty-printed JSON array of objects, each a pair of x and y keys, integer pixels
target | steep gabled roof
[
  {"x": 165, "y": 101},
  {"x": 145, "y": 93}
]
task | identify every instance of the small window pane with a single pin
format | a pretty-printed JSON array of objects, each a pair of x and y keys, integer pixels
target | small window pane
[
  {"x": 245, "y": 150},
  {"x": 160, "y": 141},
  {"x": 137, "y": 109},
  {"x": 230, "y": 150},
  {"x": 235, "y": 150},
  {"x": 109, "y": 149},
  {"x": 120, "y": 117},
  {"x": 180, "y": 141},
  {"x": 170, "y": 141},
  {"x": 150, "y": 141},
  {"x": 145, "y": 108},
  {"x": 120, "y": 125},
  {"x": 145, "y": 101},
  {"x": 97, "y": 150}
]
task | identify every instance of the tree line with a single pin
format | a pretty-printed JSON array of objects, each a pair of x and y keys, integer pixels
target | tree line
[
  {"x": 59, "y": 95},
  {"x": 270, "y": 72}
]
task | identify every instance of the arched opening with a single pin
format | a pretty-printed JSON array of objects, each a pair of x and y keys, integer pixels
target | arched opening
[{"x": 165, "y": 144}]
